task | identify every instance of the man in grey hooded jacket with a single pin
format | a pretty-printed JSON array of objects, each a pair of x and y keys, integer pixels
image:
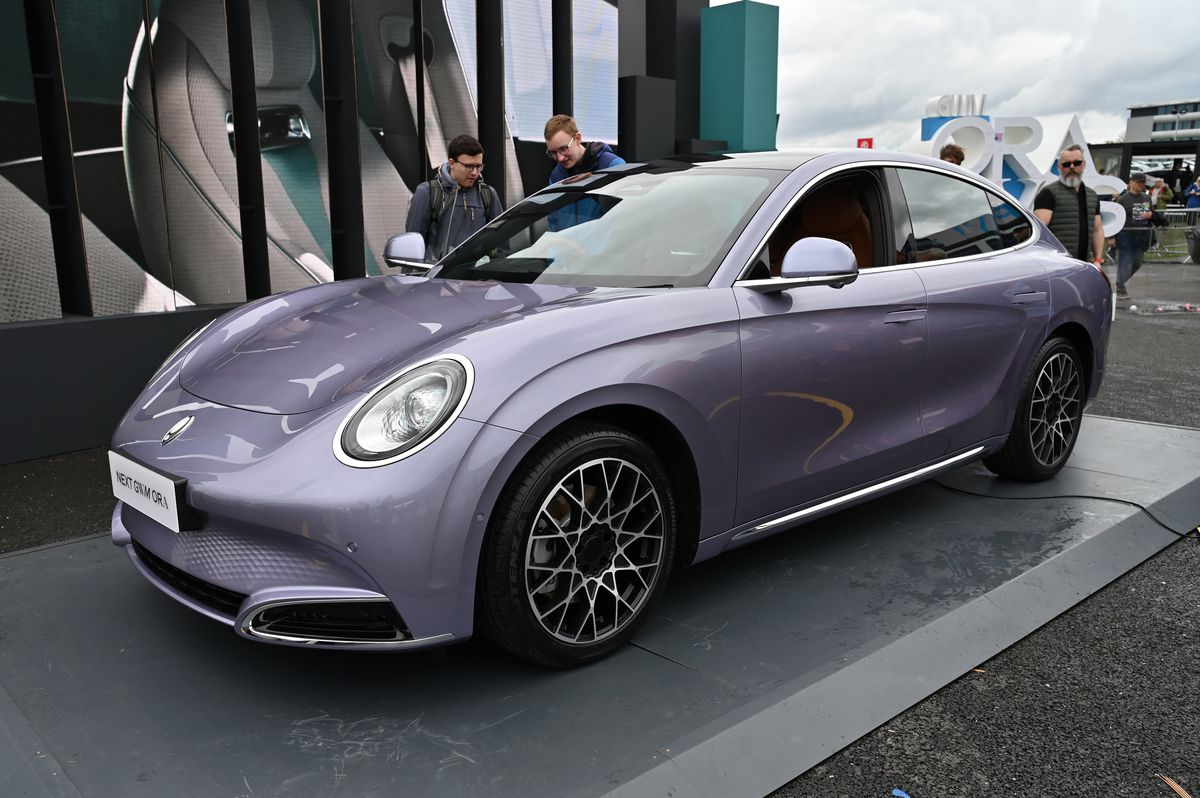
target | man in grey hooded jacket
[{"x": 456, "y": 203}]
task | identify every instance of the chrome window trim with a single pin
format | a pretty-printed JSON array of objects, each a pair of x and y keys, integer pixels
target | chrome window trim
[
  {"x": 773, "y": 285},
  {"x": 968, "y": 177},
  {"x": 346, "y": 459}
]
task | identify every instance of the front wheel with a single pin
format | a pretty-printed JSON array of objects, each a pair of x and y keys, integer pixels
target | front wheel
[
  {"x": 581, "y": 545},
  {"x": 1049, "y": 413}
]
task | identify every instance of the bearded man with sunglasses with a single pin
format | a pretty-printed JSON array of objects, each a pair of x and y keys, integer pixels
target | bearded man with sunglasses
[
  {"x": 1072, "y": 210},
  {"x": 451, "y": 207}
]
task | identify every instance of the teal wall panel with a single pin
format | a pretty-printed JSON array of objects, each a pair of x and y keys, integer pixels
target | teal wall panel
[{"x": 739, "y": 68}]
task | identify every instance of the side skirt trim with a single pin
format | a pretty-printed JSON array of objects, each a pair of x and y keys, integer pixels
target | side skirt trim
[{"x": 857, "y": 495}]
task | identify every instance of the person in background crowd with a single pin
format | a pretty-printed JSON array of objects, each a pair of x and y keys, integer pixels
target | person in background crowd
[
  {"x": 451, "y": 207},
  {"x": 1192, "y": 196},
  {"x": 1072, "y": 210},
  {"x": 1161, "y": 194},
  {"x": 953, "y": 153},
  {"x": 1134, "y": 238},
  {"x": 1178, "y": 178},
  {"x": 574, "y": 156}
]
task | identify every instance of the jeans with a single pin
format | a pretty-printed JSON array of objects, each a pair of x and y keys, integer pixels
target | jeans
[{"x": 1129, "y": 258}]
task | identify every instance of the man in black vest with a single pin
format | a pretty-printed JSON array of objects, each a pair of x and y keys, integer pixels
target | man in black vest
[{"x": 1072, "y": 210}]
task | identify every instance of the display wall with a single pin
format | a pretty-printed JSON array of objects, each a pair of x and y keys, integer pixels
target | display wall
[
  {"x": 137, "y": 96},
  {"x": 132, "y": 129},
  {"x": 152, "y": 143}
]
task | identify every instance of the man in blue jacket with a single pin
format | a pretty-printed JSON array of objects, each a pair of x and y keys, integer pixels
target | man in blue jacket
[
  {"x": 574, "y": 156},
  {"x": 451, "y": 207}
]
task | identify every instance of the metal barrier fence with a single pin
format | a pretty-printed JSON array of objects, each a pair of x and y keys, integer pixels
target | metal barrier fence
[{"x": 1180, "y": 239}]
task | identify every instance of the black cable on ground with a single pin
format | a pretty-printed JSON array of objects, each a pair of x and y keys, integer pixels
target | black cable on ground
[{"x": 1191, "y": 533}]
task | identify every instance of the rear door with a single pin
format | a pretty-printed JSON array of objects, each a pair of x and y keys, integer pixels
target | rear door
[{"x": 988, "y": 305}]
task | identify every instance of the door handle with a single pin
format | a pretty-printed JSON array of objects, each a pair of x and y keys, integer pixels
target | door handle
[
  {"x": 903, "y": 316},
  {"x": 1028, "y": 296}
]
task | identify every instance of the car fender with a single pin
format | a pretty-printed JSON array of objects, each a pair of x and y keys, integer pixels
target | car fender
[
  {"x": 695, "y": 389},
  {"x": 1089, "y": 311},
  {"x": 688, "y": 401}
]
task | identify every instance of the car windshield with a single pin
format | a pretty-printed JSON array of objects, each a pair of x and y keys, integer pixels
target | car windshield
[{"x": 647, "y": 226}]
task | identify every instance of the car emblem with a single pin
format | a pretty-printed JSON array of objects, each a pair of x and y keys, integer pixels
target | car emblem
[{"x": 177, "y": 429}]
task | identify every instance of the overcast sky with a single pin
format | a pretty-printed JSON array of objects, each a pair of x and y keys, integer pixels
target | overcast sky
[{"x": 867, "y": 67}]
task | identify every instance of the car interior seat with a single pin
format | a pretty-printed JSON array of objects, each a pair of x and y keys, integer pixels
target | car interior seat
[
  {"x": 835, "y": 211},
  {"x": 199, "y": 201},
  {"x": 30, "y": 281}
]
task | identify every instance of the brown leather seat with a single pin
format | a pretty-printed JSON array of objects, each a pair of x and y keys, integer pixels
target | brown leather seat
[{"x": 834, "y": 211}]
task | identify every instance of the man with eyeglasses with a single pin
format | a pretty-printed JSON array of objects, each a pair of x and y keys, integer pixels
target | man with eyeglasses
[
  {"x": 574, "y": 157},
  {"x": 451, "y": 207},
  {"x": 571, "y": 154},
  {"x": 1072, "y": 210}
]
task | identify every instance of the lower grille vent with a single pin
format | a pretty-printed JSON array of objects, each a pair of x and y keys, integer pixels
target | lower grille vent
[
  {"x": 218, "y": 599},
  {"x": 333, "y": 622}
]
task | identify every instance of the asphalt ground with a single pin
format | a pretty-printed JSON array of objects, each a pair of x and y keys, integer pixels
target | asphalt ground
[
  {"x": 1106, "y": 696},
  {"x": 1097, "y": 702}
]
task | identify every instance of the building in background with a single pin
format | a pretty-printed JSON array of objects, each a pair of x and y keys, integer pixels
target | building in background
[{"x": 1175, "y": 120}]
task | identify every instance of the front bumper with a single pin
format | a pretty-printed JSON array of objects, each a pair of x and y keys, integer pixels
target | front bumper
[
  {"x": 304, "y": 597},
  {"x": 283, "y": 523}
]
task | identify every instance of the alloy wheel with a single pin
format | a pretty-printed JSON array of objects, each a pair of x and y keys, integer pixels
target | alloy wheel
[
  {"x": 1054, "y": 409},
  {"x": 595, "y": 551}
]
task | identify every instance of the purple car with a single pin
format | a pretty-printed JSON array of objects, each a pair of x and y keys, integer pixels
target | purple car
[{"x": 626, "y": 372}]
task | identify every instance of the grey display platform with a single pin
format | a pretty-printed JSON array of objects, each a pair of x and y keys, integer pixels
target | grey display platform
[{"x": 757, "y": 665}]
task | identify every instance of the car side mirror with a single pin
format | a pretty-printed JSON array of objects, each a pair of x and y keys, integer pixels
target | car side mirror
[
  {"x": 406, "y": 252},
  {"x": 819, "y": 258}
]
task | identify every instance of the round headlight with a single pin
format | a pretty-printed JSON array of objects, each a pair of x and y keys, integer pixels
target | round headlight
[{"x": 406, "y": 414}]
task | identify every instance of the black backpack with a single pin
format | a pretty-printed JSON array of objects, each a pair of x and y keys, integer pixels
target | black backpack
[{"x": 437, "y": 197}]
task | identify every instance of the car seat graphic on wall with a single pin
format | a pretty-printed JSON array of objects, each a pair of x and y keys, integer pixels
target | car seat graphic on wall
[
  {"x": 388, "y": 48},
  {"x": 191, "y": 65}
]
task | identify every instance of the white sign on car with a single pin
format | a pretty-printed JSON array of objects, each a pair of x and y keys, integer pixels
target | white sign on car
[{"x": 144, "y": 489}]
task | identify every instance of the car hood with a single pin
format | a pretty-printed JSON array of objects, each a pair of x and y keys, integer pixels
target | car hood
[{"x": 303, "y": 350}]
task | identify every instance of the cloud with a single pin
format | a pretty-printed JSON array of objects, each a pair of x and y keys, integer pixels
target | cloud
[{"x": 867, "y": 67}]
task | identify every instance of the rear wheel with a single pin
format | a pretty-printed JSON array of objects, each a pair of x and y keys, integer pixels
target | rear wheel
[
  {"x": 580, "y": 547},
  {"x": 1049, "y": 413}
]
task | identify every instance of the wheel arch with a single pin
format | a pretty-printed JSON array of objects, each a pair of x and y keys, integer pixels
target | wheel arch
[
  {"x": 669, "y": 443},
  {"x": 657, "y": 429},
  {"x": 1077, "y": 335}
]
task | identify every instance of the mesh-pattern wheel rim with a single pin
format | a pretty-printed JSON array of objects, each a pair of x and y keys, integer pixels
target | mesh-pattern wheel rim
[
  {"x": 1054, "y": 409},
  {"x": 594, "y": 552}
]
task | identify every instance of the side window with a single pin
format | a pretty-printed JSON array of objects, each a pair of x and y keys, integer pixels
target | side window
[
  {"x": 844, "y": 208},
  {"x": 950, "y": 218},
  {"x": 1014, "y": 227},
  {"x": 902, "y": 234}
]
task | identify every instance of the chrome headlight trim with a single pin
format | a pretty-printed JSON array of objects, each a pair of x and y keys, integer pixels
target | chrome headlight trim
[{"x": 426, "y": 437}]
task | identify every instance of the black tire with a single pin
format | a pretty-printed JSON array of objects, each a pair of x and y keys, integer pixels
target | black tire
[
  {"x": 579, "y": 547},
  {"x": 1048, "y": 416}
]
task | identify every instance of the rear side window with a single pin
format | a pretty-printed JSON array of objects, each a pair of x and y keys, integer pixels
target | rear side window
[
  {"x": 951, "y": 218},
  {"x": 1014, "y": 227}
]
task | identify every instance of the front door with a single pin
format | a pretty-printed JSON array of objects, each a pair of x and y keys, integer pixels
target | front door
[{"x": 830, "y": 388}]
